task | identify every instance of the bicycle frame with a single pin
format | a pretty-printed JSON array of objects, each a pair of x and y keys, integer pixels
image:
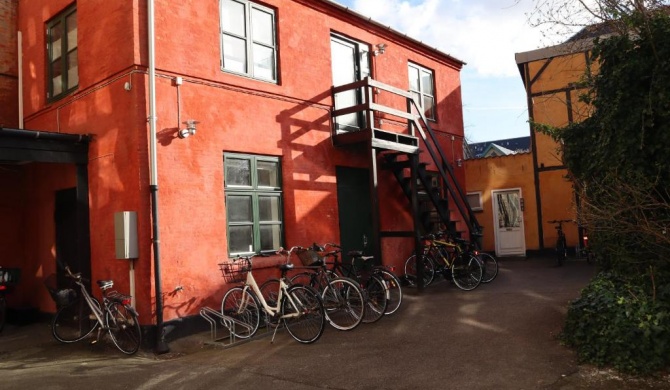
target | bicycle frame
[
  {"x": 95, "y": 308},
  {"x": 250, "y": 283}
]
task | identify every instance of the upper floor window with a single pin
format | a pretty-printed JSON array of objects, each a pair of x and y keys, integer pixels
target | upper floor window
[
  {"x": 62, "y": 62},
  {"x": 248, "y": 39},
  {"x": 253, "y": 203},
  {"x": 421, "y": 86}
]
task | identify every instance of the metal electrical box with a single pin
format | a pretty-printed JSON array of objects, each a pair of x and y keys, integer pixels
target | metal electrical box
[{"x": 125, "y": 231}]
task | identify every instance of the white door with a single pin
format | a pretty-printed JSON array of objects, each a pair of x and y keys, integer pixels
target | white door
[
  {"x": 508, "y": 222},
  {"x": 350, "y": 63}
]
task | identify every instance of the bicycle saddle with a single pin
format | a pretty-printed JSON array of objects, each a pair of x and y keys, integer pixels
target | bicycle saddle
[
  {"x": 286, "y": 267},
  {"x": 105, "y": 284}
]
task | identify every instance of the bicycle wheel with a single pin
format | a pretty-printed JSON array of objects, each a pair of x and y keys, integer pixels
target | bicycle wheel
[
  {"x": 123, "y": 327},
  {"x": 270, "y": 292},
  {"x": 466, "y": 272},
  {"x": 303, "y": 314},
  {"x": 394, "y": 290},
  {"x": 242, "y": 306},
  {"x": 489, "y": 267},
  {"x": 74, "y": 321},
  {"x": 3, "y": 311},
  {"x": 375, "y": 299},
  {"x": 343, "y": 303},
  {"x": 428, "y": 270}
]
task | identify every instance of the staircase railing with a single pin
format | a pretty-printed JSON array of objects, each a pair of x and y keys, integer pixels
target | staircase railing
[{"x": 445, "y": 170}]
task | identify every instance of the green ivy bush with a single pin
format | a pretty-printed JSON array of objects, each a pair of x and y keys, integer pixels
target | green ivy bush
[{"x": 623, "y": 322}]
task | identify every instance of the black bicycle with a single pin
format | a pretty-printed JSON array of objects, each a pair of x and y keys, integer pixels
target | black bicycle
[{"x": 561, "y": 244}]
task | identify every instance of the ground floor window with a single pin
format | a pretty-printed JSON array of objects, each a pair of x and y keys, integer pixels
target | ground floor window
[{"x": 254, "y": 204}]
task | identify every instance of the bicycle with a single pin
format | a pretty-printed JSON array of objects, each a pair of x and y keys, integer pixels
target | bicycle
[
  {"x": 81, "y": 314},
  {"x": 343, "y": 299},
  {"x": 373, "y": 287},
  {"x": 358, "y": 266},
  {"x": 299, "y": 307},
  {"x": 561, "y": 245},
  {"x": 8, "y": 278},
  {"x": 451, "y": 260}
]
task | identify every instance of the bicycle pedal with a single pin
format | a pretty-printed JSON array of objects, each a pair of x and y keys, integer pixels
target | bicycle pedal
[{"x": 93, "y": 342}]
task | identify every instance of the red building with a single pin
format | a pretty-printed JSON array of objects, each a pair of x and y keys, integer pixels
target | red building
[{"x": 277, "y": 123}]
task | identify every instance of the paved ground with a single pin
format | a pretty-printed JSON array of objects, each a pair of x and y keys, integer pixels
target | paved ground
[{"x": 499, "y": 336}]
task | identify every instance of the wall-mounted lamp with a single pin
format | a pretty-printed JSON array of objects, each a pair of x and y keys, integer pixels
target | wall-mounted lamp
[
  {"x": 381, "y": 48},
  {"x": 459, "y": 162},
  {"x": 189, "y": 130}
]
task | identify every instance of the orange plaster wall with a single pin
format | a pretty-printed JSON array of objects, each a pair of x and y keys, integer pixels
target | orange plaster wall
[
  {"x": 290, "y": 119},
  {"x": 497, "y": 173}
]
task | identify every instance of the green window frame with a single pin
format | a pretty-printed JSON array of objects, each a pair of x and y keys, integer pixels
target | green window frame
[
  {"x": 62, "y": 54},
  {"x": 248, "y": 39},
  {"x": 254, "y": 203},
  {"x": 422, "y": 86}
]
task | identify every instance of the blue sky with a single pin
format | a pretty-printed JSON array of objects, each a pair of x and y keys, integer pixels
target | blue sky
[{"x": 485, "y": 34}]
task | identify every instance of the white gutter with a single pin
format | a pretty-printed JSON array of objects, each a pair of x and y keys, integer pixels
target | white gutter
[{"x": 161, "y": 345}]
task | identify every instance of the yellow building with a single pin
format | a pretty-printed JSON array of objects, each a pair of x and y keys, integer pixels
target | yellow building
[{"x": 518, "y": 194}]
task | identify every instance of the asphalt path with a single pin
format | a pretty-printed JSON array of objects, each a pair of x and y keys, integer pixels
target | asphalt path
[{"x": 502, "y": 335}]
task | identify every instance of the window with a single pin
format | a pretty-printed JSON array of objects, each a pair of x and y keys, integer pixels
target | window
[
  {"x": 253, "y": 203},
  {"x": 421, "y": 86},
  {"x": 248, "y": 43},
  {"x": 475, "y": 201},
  {"x": 62, "y": 62}
]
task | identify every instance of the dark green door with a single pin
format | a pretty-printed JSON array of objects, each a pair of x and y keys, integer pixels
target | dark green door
[{"x": 355, "y": 210}]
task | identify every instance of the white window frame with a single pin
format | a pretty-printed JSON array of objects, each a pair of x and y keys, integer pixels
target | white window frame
[
  {"x": 422, "y": 88},
  {"x": 249, "y": 7}
]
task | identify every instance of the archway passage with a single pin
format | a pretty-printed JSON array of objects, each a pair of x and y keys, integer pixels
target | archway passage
[{"x": 44, "y": 206}]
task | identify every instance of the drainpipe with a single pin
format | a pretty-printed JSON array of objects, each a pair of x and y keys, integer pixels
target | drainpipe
[
  {"x": 19, "y": 40},
  {"x": 161, "y": 345}
]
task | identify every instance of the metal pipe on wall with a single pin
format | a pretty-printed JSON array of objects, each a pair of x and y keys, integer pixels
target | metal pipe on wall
[
  {"x": 19, "y": 40},
  {"x": 161, "y": 345}
]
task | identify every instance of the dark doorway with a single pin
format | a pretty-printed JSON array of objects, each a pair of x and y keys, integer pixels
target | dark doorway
[
  {"x": 355, "y": 210},
  {"x": 68, "y": 236}
]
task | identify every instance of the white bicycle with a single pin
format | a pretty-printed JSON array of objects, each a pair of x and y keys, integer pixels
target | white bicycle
[{"x": 299, "y": 307}]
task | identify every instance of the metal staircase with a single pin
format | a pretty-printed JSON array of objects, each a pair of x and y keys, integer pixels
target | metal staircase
[{"x": 441, "y": 201}]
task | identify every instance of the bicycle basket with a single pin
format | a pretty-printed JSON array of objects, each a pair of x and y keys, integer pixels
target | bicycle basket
[
  {"x": 64, "y": 297},
  {"x": 120, "y": 298},
  {"x": 309, "y": 257},
  {"x": 235, "y": 271}
]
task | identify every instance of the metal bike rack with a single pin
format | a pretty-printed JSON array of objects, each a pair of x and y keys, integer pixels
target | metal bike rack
[{"x": 213, "y": 317}]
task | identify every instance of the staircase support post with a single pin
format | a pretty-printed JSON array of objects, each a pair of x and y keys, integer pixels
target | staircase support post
[
  {"x": 374, "y": 194},
  {"x": 418, "y": 245}
]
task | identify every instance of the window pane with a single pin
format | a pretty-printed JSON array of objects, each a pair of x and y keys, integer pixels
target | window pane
[
  {"x": 264, "y": 62},
  {"x": 71, "y": 23},
  {"x": 238, "y": 172},
  {"x": 56, "y": 43},
  {"x": 267, "y": 174},
  {"x": 56, "y": 78},
  {"x": 427, "y": 82},
  {"x": 241, "y": 239},
  {"x": 234, "y": 54},
  {"x": 428, "y": 107},
  {"x": 270, "y": 237},
  {"x": 262, "y": 27},
  {"x": 239, "y": 208},
  {"x": 72, "y": 70},
  {"x": 413, "y": 79},
  {"x": 268, "y": 208},
  {"x": 233, "y": 18}
]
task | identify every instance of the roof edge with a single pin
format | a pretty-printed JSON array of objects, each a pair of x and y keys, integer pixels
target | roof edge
[{"x": 392, "y": 30}]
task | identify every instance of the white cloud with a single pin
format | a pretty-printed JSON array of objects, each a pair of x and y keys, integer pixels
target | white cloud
[{"x": 483, "y": 33}]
